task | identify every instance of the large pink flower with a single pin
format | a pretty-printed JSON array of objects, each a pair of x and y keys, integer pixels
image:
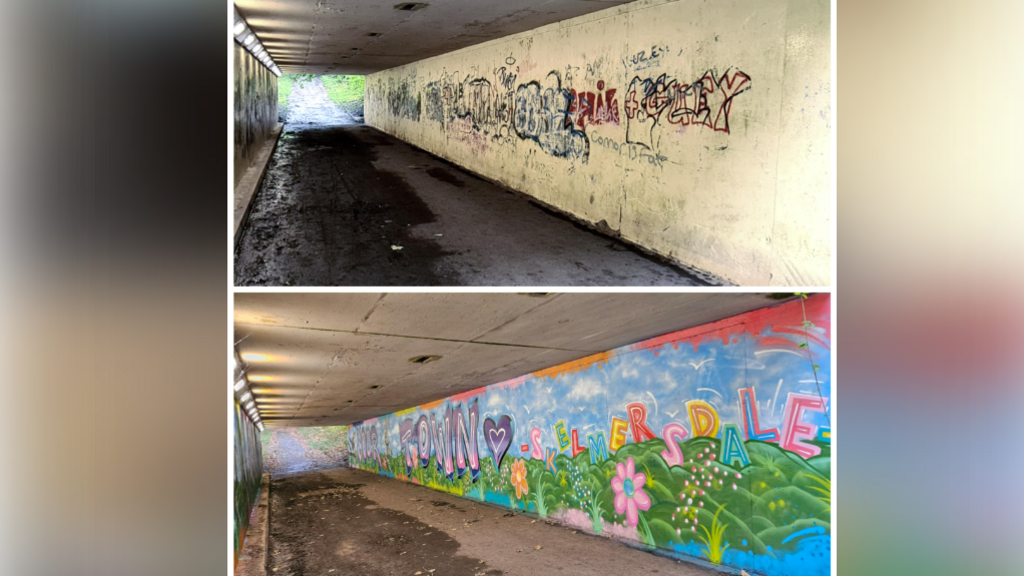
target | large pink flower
[{"x": 628, "y": 494}]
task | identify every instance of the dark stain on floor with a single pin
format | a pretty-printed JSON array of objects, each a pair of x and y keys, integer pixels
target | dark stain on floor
[
  {"x": 322, "y": 526},
  {"x": 326, "y": 215},
  {"x": 445, "y": 176},
  {"x": 346, "y": 224}
]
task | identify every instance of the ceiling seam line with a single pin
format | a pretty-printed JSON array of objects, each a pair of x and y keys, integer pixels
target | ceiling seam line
[
  {"x": 518, "y": 316},
  {"x": 455, "y": 340}
]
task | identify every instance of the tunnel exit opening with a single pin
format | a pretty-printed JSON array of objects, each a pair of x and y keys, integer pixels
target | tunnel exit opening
[
  {"x": 320, "y": 99},
  {"x": 303, "y": 449}
]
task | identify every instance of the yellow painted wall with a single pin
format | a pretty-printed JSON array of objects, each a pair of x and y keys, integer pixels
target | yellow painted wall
[{"x": 740, "y": 190}]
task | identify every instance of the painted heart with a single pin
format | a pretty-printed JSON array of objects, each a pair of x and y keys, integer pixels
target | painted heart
[{"x": 498, "y": 437}]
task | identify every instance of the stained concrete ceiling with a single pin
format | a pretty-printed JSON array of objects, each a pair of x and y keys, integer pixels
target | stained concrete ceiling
[
  {"x": 338, "y": 36},
  {"x": 332, "y": 359}
]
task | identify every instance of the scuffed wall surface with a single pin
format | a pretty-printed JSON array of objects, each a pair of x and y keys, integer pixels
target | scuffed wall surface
[
  {"x": 711, "y": 442},
  {"x": 699, "y": 130},
  {"x": 248, "y": 470},
  {"x": 255, "y": 107}
]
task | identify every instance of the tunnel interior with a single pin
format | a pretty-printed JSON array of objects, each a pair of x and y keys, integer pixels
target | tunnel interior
[
  {"x": 647, "y": 143},
  {"x": 405, "y": 431}
]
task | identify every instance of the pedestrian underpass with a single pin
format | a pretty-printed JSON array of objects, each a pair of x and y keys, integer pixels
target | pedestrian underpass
[
  {"x": 532, "y": 143},
  {"x": 534, "y": 433}
]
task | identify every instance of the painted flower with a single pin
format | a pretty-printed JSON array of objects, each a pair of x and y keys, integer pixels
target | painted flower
[
  {"x": 629, "y": 495},
  {"x": 519, "y": 478}
]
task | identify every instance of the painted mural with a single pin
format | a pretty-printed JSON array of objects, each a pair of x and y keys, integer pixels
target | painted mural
[
  {"x": 712, "y": 442},
  {"x": 248, "y": 471}
]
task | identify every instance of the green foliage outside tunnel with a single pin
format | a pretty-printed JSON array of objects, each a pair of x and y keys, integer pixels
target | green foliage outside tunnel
[{"x": 346, "y": 91}]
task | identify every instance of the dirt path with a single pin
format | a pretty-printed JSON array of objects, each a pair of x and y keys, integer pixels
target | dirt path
[
  {"x": 347, "y": 521},
  {"x": 309, "y": 103},
  {"x": 289, "y": 453}
]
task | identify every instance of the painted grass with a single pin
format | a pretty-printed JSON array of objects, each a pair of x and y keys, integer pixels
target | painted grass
[{"x": 766, "y": 506}]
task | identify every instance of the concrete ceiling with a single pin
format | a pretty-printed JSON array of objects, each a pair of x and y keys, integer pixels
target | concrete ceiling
[
  {"x": 332, "y": 359},
  {"x": 334, "y": 36}
]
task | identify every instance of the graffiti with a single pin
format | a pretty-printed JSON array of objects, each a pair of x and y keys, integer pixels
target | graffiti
[
  {"x": 715, "y": 427},
  {"x": 636, "y": 152},
  {"x": 248, "y": 470},
  {"x": 644, "y": 59},
  {"x": 586, "y": 108},
  {"x": 478, "y": 110},
  {"x": 486, "y": 105},
  {"x": 433, "y": 98},
  {"x": 403, "y": 102},
  {"x": 706, "y": 102},
  {"x": 542, "y": 115},
  {"x": 464, "y": 130}
]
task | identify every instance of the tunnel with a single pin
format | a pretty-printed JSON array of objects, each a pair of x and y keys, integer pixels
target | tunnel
[
  {"x": 532, "y": 433},
  {"x": 533, "y": 143}
]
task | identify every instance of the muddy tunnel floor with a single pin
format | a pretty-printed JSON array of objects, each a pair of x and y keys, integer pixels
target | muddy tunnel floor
[
  {"x": 345, "y": 522},
  {"x": 351, "y": 206}
]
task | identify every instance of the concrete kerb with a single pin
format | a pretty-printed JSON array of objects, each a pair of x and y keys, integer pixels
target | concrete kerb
[
  {"x": 253, "y": 559},
  {"x": 250, "y": 182},
  {"x": 265, "y": 506}
]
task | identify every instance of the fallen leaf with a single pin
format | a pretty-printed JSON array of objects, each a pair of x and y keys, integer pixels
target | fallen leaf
[
  {"x": 396, "y": 247},
  {"x": 538, "y": 547}
]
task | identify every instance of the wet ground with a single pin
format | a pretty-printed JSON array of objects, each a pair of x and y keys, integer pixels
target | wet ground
[
  {"x": 346, "y": 522},
  {"x": 347, "y": 205},
  {"x": 288, "y": 453}
]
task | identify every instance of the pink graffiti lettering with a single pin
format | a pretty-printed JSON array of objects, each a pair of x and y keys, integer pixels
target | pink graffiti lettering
[{"x": 594, "y": 108}]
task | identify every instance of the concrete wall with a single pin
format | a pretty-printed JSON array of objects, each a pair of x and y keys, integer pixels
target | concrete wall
[
  {"x": 248, "y": 470},
  {"x": 699, "y": 130},
  {"x": 718, "y": 429},
  {"x": 255, "y": 107}
]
